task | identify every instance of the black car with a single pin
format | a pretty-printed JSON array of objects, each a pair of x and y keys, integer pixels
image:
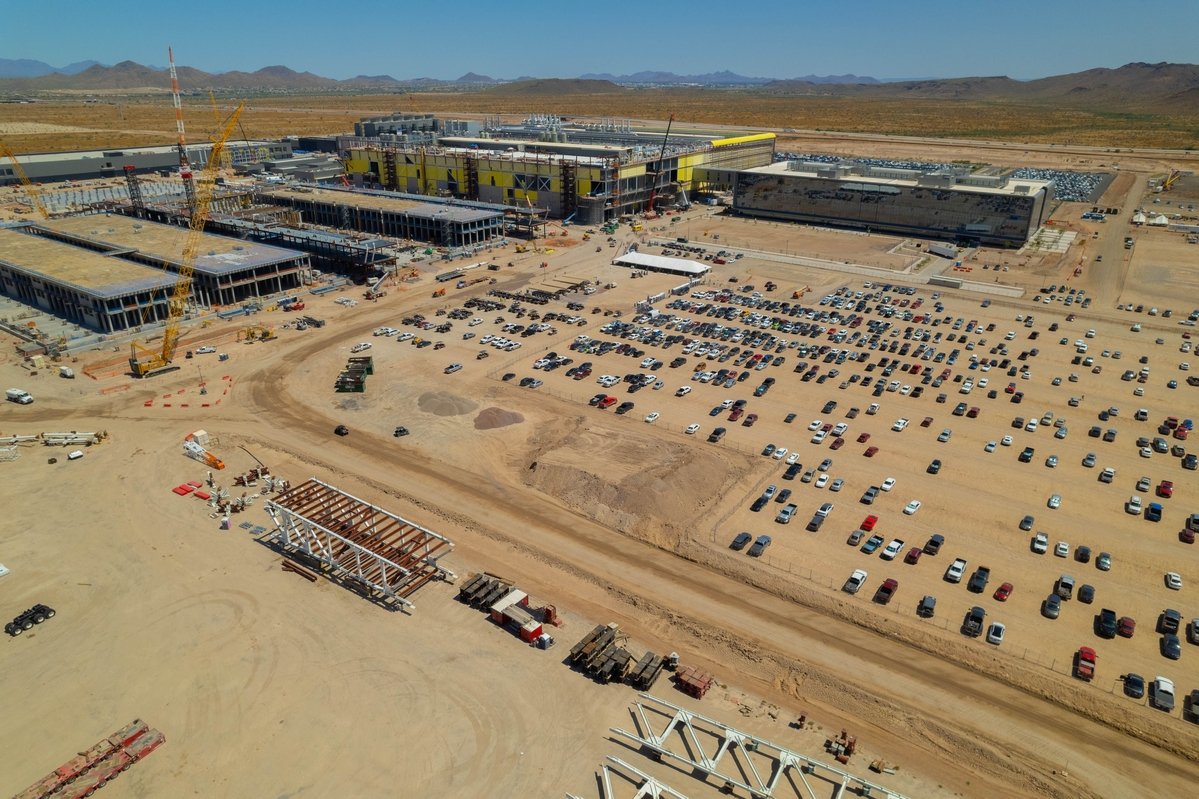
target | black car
[
  {"x": 1026, "y": 454},
  {"x": 829, "y": 406},
  {"x": 759, "y": 503},
  {"x": 793, "y": 471},
  {"x": 596, "y": 399},
  {"x": 341, "y": 430},
  {"x": 934, "y": 544},
  {"x": 624, "y": 408},
  {"x": 1086, "y": 593},
  {"x": 1134, "y": 685},
  {"x": 1171, "y": 648},
  {"x": 400, "y": 432},
  {"x": 740, "y": 541},
  {"x": 1105, "y": 623},
  {"x": 935, "y": 466},
  {"x": 759, "y": 546}
]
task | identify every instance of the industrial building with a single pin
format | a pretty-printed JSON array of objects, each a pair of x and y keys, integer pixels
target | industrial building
[
  {"x": 93, "y": 164},
  {"x": 587, "y": 173},
  {"x": 90, "y": 287},
  {"x": 945, "y": 204},
  {"x": 227, "y": 271},
  {"x": 394, "y": 215}
]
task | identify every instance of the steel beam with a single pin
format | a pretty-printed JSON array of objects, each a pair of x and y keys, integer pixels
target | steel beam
[
  {"x": 646, "y": 786},
  {"x": 729, "y": 740},
  {"x": 356, "y": 540}
]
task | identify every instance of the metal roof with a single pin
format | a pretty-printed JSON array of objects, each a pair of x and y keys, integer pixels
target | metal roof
[{"x": 86, "y": 271}]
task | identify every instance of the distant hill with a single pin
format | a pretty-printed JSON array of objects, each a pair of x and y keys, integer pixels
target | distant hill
[
  {"x": 552, "y": 86},
  {"x": 28, "y": 68},
  {"x": 724, "y": 78},
  {"x": 1137, "y": 86}
]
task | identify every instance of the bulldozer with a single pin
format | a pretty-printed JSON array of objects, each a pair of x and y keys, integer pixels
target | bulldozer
[{"x": 256, "y": 332}]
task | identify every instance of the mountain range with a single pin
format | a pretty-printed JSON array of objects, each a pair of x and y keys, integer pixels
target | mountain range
[{"x": 1132, "y": 86}]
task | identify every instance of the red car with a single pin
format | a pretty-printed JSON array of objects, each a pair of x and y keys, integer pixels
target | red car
[
  {"x": 1126, "y": 626},
  {"x": 735, "y": 414},
  {"x": 870, "y": 452},
  {"x": 869, "y": 522},
  {"x": 1003, "y": 592},
  {"x": 913, "y": 555},
  {"x": 837, "y": 444},
  {"x": 1165, "y": 489},
  {"x": 886, "y": 591},
  {"x": 749, "y": 420},
  {"x": 863, "y": 438}
]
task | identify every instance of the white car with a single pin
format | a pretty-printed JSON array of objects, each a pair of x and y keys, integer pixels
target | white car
[
  {"x": 995, "y": 633},
  {"x": 650, "y": 418},
  {"x": 793, "y": 459},
  {"x": 819, "y": 436},
  {"x": 692, "y": 429},
  {"x": 475, "y": 322},
  {"x": 855, "y": 581},
  {"x": 682, "y": 392},
  {"x": 822, "y": 481},
  {"x": 1133, "y": 506},
  {"x": 892, "y": 549},
  {"x": 1006, "y": 441},
  {"x": 1174, "y": 581},
  {"x": 361, "y": 346},
  {"x": 888, "y": 484},
  {"x": 728, "y": 403},
  {"x": 900, "y": 424},
  {"x": 815, "y": 425},
  {"x": 911, "y": 507},
  {"x": 990, "y": 447},
  {"x": 780, "y": 453},
  {"x": 1055, "y": 501},
  {"x": 205, "y": 350},
  {"x": 1146, "y": 452},
  {"x": 840, "y": 429},
  {"x": 1040, "y": 543},
  {"x": 1062, "y": 549}
]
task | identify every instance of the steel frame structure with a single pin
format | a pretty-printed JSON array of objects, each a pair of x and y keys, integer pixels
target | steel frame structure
[
  {"x": 692, "y": 726},
  {"x": 385, "y": 554},
  {"x": 646, "y": 786}
]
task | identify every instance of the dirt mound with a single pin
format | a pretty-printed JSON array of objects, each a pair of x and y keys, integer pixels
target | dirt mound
[
  {"x": 491, "y": 418},
  {"x": 440, "y": 403},
  {"x": 641, "y": 489}
]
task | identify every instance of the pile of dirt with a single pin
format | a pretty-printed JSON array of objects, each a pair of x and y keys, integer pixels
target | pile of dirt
[
  {"x": 440, "y": 403},
  {"x": 491, "y": 418}
]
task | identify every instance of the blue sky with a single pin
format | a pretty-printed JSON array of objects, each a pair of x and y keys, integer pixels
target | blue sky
[{"x": 412, "y": 38}]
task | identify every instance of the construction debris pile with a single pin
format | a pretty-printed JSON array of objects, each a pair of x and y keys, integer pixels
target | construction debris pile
[{"x": 508, "y": 607}]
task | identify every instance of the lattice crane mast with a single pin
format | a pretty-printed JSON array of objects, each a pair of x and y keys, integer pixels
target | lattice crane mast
[
  {"x": 144, "y": 362},
  {"x": 31, "y": 189},
  {"x": 185, "y": 168},
  {"x": 653, "y": 189}
]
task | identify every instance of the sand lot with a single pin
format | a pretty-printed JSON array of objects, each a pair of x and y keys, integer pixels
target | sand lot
[{"x": 265, "y": 684}]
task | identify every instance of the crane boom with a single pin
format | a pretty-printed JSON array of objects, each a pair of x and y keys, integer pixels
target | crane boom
[
  {"x": 185, "y": 169},
  {"x": 653, "y": 189},
  {"x": 31, "y": 190},
  {"x": 144, "y": 362}
]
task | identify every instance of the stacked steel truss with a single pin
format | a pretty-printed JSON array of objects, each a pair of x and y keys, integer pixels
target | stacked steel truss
[
  {"x": 696, "y": 735},
  {"x": 386, "y": 555}
]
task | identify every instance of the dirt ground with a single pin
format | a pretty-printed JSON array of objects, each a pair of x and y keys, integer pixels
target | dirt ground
[{"x": 263, "y": 682}]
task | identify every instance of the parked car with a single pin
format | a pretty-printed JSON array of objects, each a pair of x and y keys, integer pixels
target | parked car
[
  {"x": 740, "y": 541},
  {"x": 759, "y": 546},
  {"x": 855, "y": 581}
]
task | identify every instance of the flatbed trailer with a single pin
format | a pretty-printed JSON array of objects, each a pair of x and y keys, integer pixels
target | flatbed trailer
[{"x": 86, "y": 772}]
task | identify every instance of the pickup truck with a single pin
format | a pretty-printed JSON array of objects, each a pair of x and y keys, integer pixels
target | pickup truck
[
  {"x": 1162, "y": 694},
  {"x": 978, "y": 580},
  {"x": 1084, "y": 663},
  {"x": 955, "y": 571},
  {"x": 973, "y": 625}
]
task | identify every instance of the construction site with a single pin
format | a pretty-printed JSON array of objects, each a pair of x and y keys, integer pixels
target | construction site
[{"x": 335, "y": 462}]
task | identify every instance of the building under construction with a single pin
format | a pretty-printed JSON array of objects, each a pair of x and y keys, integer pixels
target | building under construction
[
  {"x": 947, "y": 204},
  {"x": 112, "y": 273},
  {"x": 586, "y": 173},
  {"x": 397, "y": 216},
  {"x": 92, "y": 288}
]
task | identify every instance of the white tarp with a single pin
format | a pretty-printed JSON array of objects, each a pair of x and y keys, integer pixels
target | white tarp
[{"x": 660, "y": 263}]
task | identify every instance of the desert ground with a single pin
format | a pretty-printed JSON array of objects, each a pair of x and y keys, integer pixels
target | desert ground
[{"x": 266, "y": 684}]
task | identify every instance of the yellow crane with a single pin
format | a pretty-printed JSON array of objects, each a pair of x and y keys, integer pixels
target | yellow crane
[
  {"x": 143, "y": 361},
  {"x": 31, "y": 190}
]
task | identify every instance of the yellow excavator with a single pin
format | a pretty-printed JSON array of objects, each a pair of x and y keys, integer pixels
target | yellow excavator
[{"x": 147, "y": 362}]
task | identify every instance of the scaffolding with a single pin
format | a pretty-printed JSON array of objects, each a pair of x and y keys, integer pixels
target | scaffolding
[
  {"x": 756, "y": 766},
  {"x": 136, "y": 201},
  {"x": 391, "y": 176},
  {"x": 382, "y": 554}
]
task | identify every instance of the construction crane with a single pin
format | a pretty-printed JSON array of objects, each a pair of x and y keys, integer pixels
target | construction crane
[
  {"x": 653, "y": 187},
  {"x": 1171, "y": 179},
  {"x": 185, "y": 169},
  {"x": 145, "y": 362},
  {"x": 31, "y": 190}
]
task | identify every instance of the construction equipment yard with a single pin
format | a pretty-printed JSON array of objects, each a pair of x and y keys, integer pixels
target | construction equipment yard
[{"x": 411, "y": 658}]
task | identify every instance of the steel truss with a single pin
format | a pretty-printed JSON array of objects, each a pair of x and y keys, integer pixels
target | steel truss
[
  {"x": 354, "y": 540},
  {"x": 694, "y": 729},
  {"x": 646, "y": 786}
]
